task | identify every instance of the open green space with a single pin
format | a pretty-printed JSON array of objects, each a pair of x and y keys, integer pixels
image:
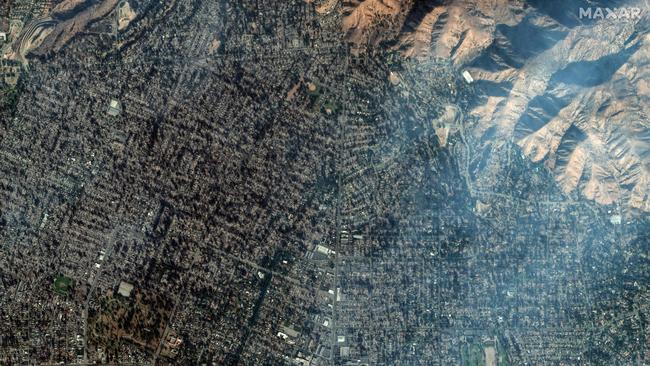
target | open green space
[
  {"x": 502, "y": 356},
  {"x": 503, "y": 360},
  {"x": 331, "y": 106},
  {"x": 472, "y": 355},
  {"x": 62, "y": 285}
]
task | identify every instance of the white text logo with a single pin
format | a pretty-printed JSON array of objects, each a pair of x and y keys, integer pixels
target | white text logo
[{"x": 610, "y": 13}]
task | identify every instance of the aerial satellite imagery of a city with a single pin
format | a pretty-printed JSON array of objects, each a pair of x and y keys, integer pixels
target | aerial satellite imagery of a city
[{"x": 325, "y": 182}]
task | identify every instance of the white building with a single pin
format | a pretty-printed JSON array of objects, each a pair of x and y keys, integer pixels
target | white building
[
  {"x": 114, "y": 108},
  {"x": 125, "y": 289},
  {"x": 468, "y": 77}
]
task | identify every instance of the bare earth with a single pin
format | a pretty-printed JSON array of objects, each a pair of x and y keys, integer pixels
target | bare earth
[{"x": 490, "y": 356}]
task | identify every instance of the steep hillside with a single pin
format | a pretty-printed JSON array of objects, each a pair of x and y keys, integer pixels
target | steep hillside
[{"x": 572, "y": 92}]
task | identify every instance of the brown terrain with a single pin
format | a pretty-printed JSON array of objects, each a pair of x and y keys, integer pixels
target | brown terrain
[
  {"x": 457, "y": 30},
  {"x": 139, "y": 319},
  {"x": 75, "y": 16},
  {"x": 67, "y": 6},
  {"x": 571, "y": 93},
  {"x": 126, "y": 15},
  {"x": 50, "y": 32},
  {"x": 372, "y": 21}
]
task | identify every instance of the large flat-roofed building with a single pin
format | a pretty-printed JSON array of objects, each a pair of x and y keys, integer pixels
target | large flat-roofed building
[
  {"x": 114, "y": 108},
  {"x": 125, "y": 289}
]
